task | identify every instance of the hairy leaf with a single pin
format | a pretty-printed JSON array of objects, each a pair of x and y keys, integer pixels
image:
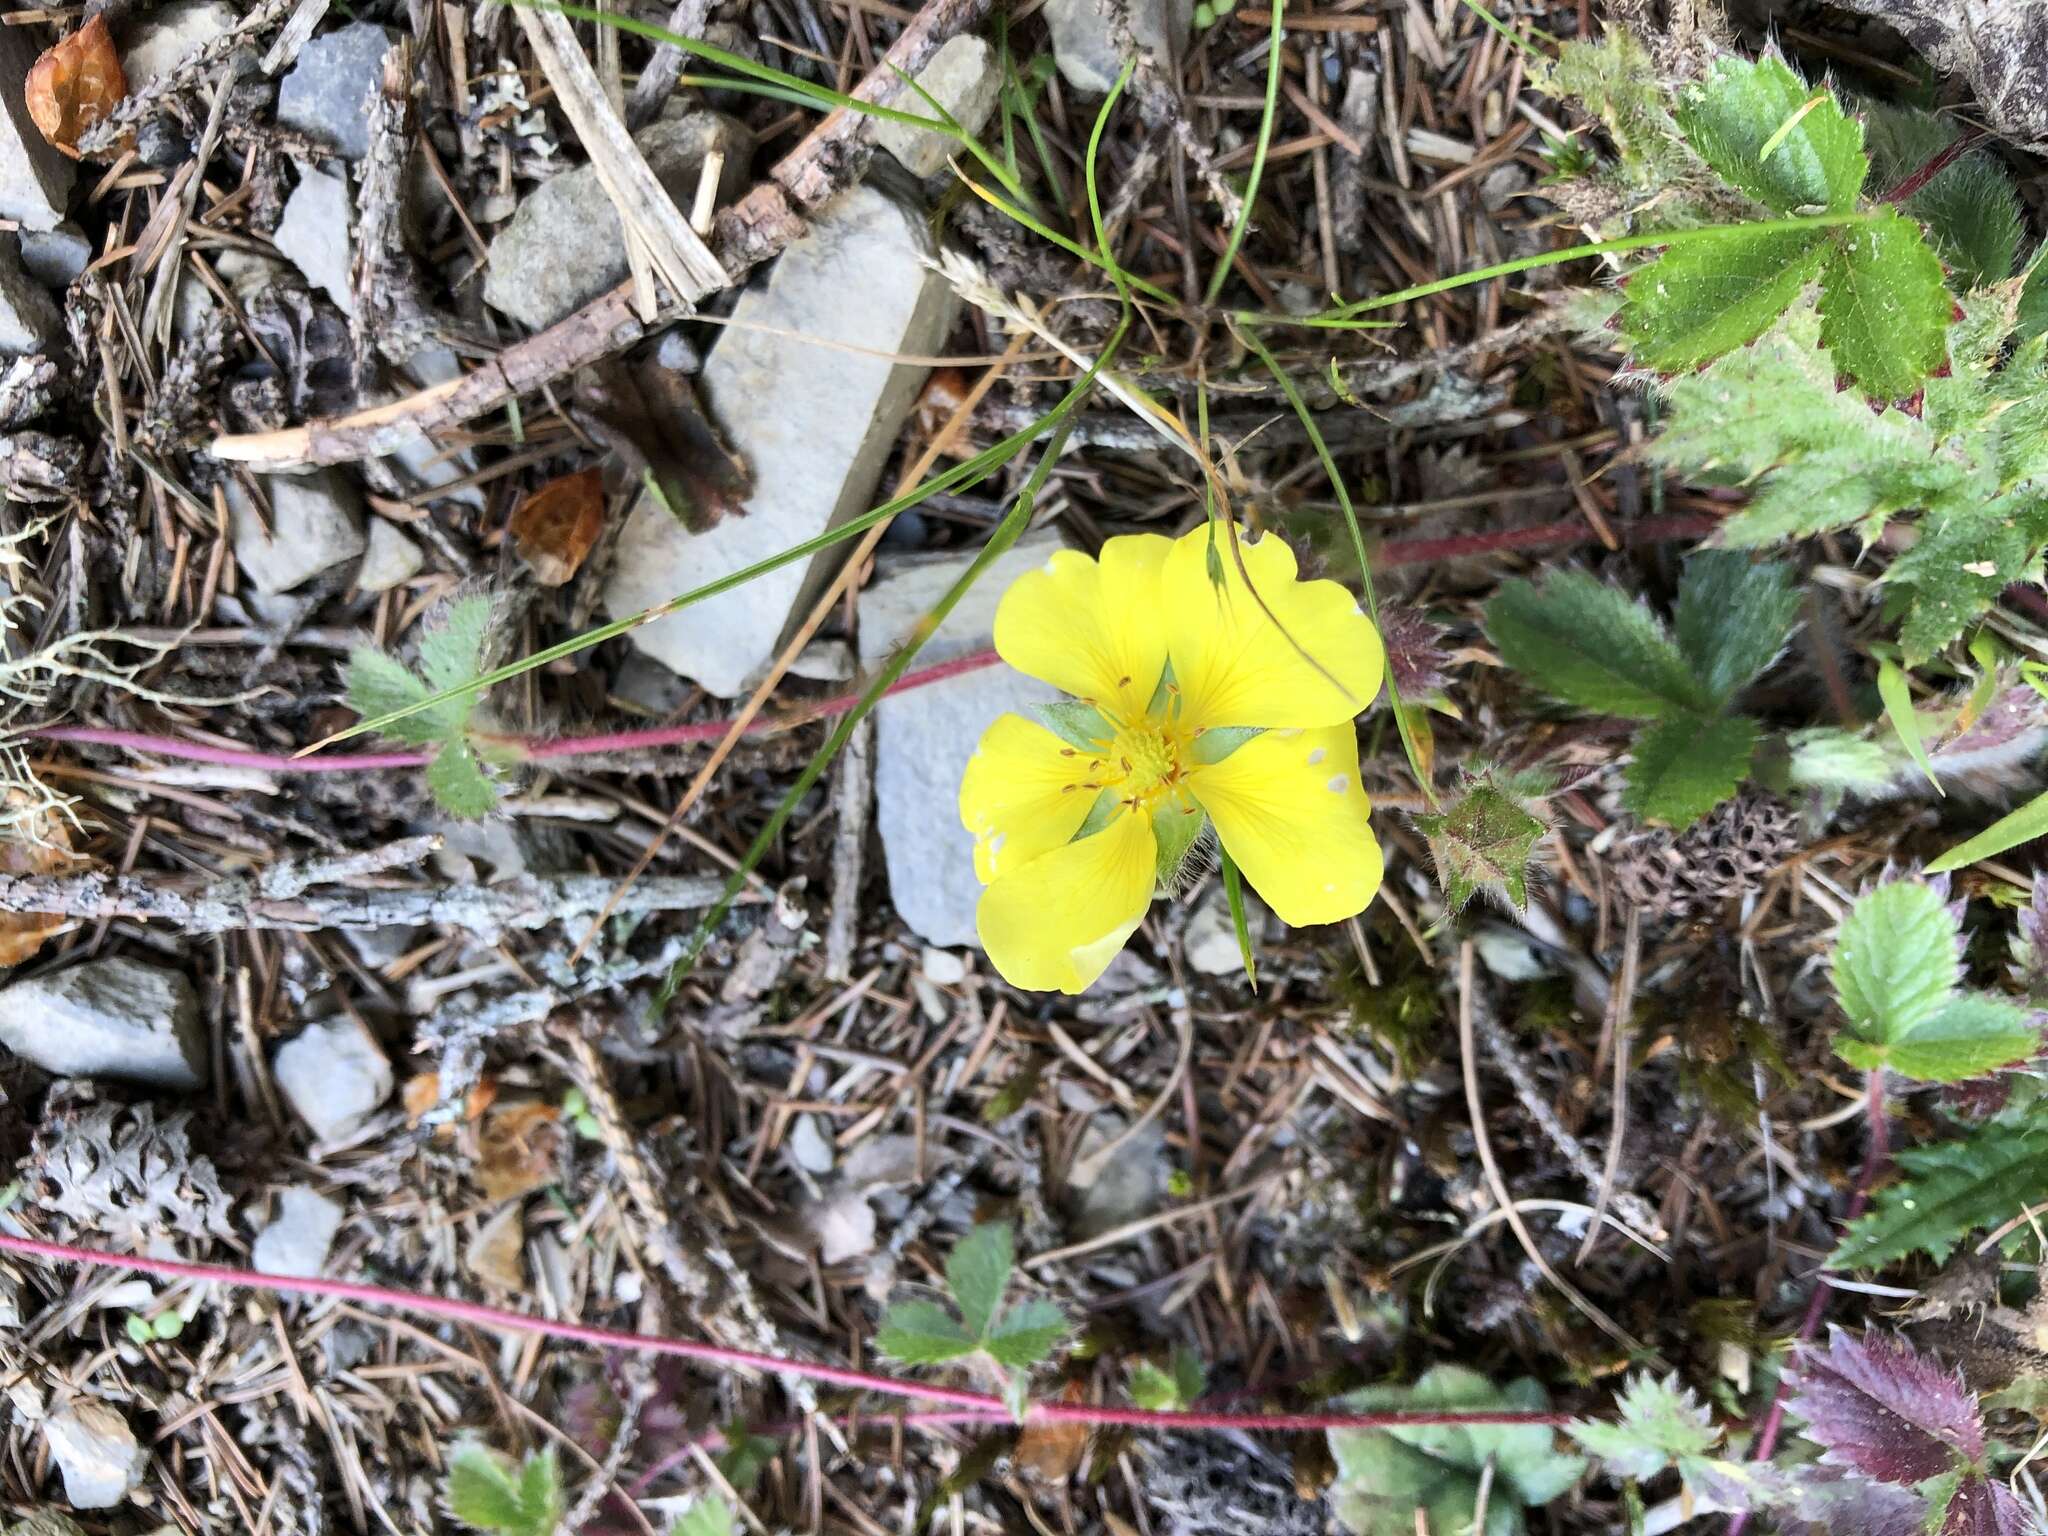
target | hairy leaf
[
  {"x": 1734, "y": 616},
  {"x": 977, "y": 1270},
  {"x": 1658, "y": 1424},
  {"x": 1484, "y": 843},
  {"x": 1971, "y": 209},
  {"x": 1895, "y": 962},
  {"x": 489, "y": 1492},
  {"x": 923, "y": 1333},
  {"x": 452, "y": 652},
  {"x": 377, "y": 685},
  {"x": 706, "y": 1517},
  {"x": 459, "y": 783},
  {"x": 1687, "y": 765},
  {"x": 1980, "y": 1505},
  {"x": 1876, "y": 1405},
  {"x": 1716, "y": 292},
  {"x": 1592, "y": 646},
  {"x": 1968, "y": 1036},
  {"x": 1027, "y": 1334},
  {"x": 1787, "y": 144},
  {"x": 1884, "y": 309},
  {"x": 1950, "y": 1189}
]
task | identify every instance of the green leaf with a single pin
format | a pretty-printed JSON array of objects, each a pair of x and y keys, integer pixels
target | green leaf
[
  {"x": 1172, "y": 1390},
  {"x": 1658, "y": 1424},
  {"x": 378, "y": 685},
  {"x": 1027, "y": 1334},
  {"x": 1897, "y": 695},
  {"x": 1761, "y": 127},
  {"x": 1484, "y": 843},
  {"x": 1884, "y": 309},
  {"x": 1950, "y": 1189},
  {"x": 1833, "y": 760},
  {"x": 1717, "y": 292},
  {"x": 923, "y": 1333},
  {"x": 1233, "y": 894},
  {"x": 1734, "y": 616},
  {"x": 706, "y": 1517},
  {"x": 458, "y": 782},
  {"x": 977, "y": 1271},
  {"x": 1965, "y": 557},
  {"x": 1217, "y": 743},
  {"x": 2022, "y": 826},
  {"x": 1687, "y": 765},
  {"x": 486, "y": 1492},
  {"x": 1080, "y": 726},
  {"x": 1971, "y": 209},
  {"x": 1592, "y": 646},
  {"x": 1176, "y": 827},
  {"x": 1896, "y": 962},
  {"x": 1385, "y": 1475},
  {"x": 452, "y": 653},
  {"x": 1967, "y": 1037}
]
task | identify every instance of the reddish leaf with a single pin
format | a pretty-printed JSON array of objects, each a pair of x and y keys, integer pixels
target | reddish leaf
[
  {"x": 1825, "y": 1501},
  {"x": 75, "y": 84},
  {"x": 1892, "y": 1414},
  {"x": 1981, "y": 1506},
  {"x": 555, "y": 527}
]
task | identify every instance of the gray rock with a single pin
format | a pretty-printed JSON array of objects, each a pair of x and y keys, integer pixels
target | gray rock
[
  {"x": 924, "y": 738},
  {"x": 327, "y": 94},
  {"x": 811, "y": 1147},
  {"x": 169, "y": 34},
  {"x": 35, "y": 181},
  {"x": 962, "y": 78},
  {"x": 1084, "y": 43},
  {"x": 565, "y": 245},
  {"x": 313, "y": 234},
  {"x": 29, "y": 321},
  {"x": 334, "y": 1075},
  {"x": 97, "y": 1452},
  {"x": 1115, "y": 1182},
  {"x": 244, "y": 273},
  {"x": 390, "y": 558},
  {"x": 113, "y": 1017},
  {"x": 298, "y": 1236},
  {"x": 815, "y": 425},
  {"x": 55, "y": 257},
  {"x": 316, "y": 521},
  {"x": 1210, "y": 941},
  {"x": 943, "y": 968}
]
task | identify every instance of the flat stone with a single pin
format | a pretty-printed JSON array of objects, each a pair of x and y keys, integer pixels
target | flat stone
[
  {"x": 943, "y": 967},
  {"x": 1109, "y": 1191},
  {"x": 1084, "y": 43},
  {"x": 334, "y": 1075},
  {"x": 564, "y": 246},
  {"x": 811, "y": 1147},
  {"x": 113, "y": 1017},
  {"x": 56, "y": 257},
  {"x": 1210, "y": 940},
  {"x": 298, "y": 1237},
  {"x": 35, "y": 181},
  {"x": 313, "y": 234},
  {"x": 327, "y": 94},
  {"x": 97, "y": 1452},
  {"x": 29, "y": 321},
  {"x": 815, "y": 425},
  {"x": 316, "y": 521},
  {"x": 923, "y": 738},
  {"x": 962, "y": 78},
  {"x": 169, "y": 34},
  {"x": 390, "y": 558}
]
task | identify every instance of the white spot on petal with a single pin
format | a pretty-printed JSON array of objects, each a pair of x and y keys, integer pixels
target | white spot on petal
[
  {"x": 1339, "y": 784},
  {"x": 995, "y": 844},
  {"x": 1316, "y": 756}
]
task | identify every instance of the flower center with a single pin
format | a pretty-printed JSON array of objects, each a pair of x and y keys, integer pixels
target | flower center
[{"x": 1146, "y": 762}]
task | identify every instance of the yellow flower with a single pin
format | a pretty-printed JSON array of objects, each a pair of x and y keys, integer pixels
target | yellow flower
[{"x": 1199, "y": 700}]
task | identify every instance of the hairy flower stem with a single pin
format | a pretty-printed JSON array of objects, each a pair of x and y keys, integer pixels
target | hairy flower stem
[
  {"x": 973, "y": 1406},
  {"x": 1390, "y": 556},
  {"x": 1874, "y": 1160}
]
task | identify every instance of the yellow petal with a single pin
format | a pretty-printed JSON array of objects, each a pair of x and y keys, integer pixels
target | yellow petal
[
  {"x": 1014, "y": 796},
  {"x": 1319, "y": 664},
  {"x": 1053, "y": 925},
  {"x": 1290, "y": 810},
  {"x": 1091, "y": 628}
]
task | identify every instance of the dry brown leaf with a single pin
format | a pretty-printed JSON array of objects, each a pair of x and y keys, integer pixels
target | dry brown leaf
[
  {"x": 1054, "y": 1450},
  {"x": 75, "y": 84},
  {"x": 555, "y": 527},
  {"x": 422, "y": 1092},
  {"x": 497, "y": 1254},
  {"x": 519, "y": 1148},
  {"x": 38, "y": 843}
]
